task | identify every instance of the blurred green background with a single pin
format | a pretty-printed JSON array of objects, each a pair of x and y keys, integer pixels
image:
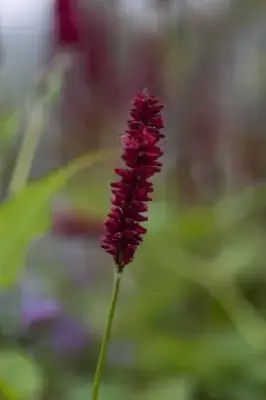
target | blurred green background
[{"x": 191, "y": 320}]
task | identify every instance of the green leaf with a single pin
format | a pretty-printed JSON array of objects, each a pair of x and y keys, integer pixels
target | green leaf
[
  {"x": 20, "y": 378},
  {"x": 26, "y": 215}
]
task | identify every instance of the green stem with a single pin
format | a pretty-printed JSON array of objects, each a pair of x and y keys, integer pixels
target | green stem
[
  {"x": 28, "y": 148},
  {"x": 48, "y": 84},
  {"x": 106, "y": 337}
]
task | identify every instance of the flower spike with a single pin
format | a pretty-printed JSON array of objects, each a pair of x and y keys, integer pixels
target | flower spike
[{"x": 141, "y": 152}]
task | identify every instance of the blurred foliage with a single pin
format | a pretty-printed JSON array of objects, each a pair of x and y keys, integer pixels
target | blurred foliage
[
  {"x": 191, "y": 321},
  {"x": 189, "y": 313},
  {"x": 197, "y": 306},
  {"x": 20, "y": 377},
  {"x": 25, "y": 215}
]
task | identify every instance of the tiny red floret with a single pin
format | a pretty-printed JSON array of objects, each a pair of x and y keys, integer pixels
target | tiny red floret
[{"x": 141, "y": 145}]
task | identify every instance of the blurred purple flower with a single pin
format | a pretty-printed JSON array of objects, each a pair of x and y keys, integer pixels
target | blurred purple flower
[
  {"x": 69, "y": 336},
  {"x": 40, "y": 312}
]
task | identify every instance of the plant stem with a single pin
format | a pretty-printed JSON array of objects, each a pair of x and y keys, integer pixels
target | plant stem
[
  {"x": 106, "y": 337},
  {"x": 47, "y": 86},
  {"x": 28, "y": 148}
]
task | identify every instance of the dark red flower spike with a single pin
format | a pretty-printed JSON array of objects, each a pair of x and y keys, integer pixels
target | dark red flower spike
[
  {"x": 67, "y": 23},
  {"x": 141, "y": 145}
]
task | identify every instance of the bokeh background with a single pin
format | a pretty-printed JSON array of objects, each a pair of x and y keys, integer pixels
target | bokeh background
[{"x": 191, "y": 320}]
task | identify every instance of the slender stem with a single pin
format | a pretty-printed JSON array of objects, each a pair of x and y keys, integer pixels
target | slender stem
[
  {"x": 28, "y": 148},
  {"x": 106, "y": 337},
  {"x": 49, "y": 80}
]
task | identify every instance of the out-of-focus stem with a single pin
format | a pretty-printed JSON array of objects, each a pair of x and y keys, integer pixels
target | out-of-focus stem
[
  {"x": 28, "y": 148},
  {"x": 49, "y": 80}
]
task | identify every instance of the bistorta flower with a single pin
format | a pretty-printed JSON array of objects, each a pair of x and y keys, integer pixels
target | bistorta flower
[{"x": 141, "y": 151}]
